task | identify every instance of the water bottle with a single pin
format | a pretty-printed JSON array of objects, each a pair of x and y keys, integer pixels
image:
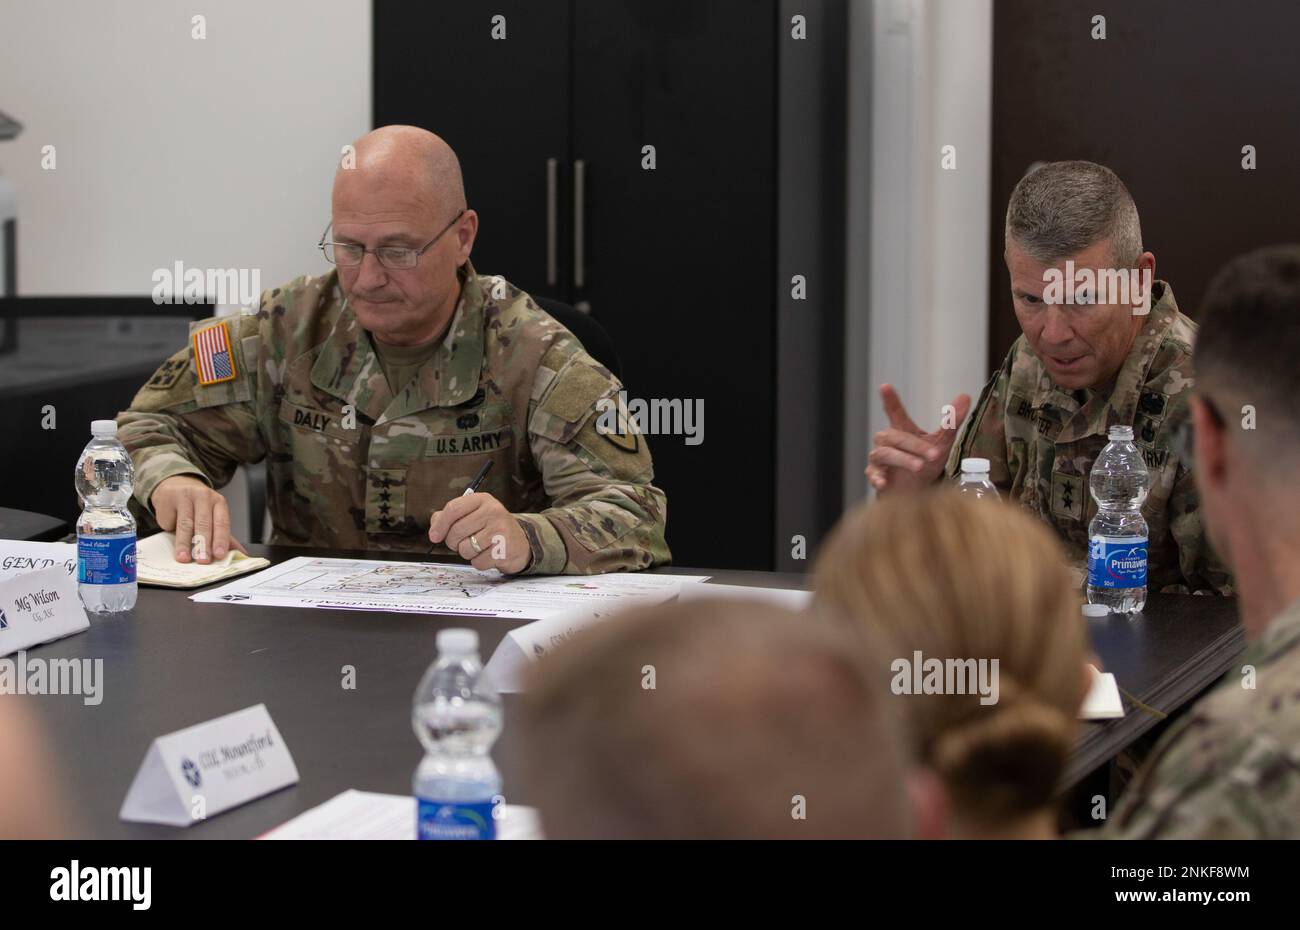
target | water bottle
[
  {"x": 457, "y": 716},
  {"x": 105, "y": 529},
  {"x": 975, "y": 479},
  {"x": 1117, "y": 536}
]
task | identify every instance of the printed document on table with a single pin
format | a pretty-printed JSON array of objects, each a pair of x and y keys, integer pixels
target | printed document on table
[
  {"x": 364, "y": 815},
  {"x": 422, "y": 587}
]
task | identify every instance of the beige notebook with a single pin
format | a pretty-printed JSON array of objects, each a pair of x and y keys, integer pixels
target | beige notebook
[{"x": 155, "y": 563}]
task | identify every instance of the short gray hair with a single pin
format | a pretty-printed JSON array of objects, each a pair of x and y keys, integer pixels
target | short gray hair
[{"x": 1062, "y": 207}]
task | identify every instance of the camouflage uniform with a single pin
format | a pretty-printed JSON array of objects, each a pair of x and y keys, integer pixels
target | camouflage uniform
[
  {"x": 351, "y": 466},
  {"x": 1230, "y": 767},
  {"x": 1041, "y": 441}
]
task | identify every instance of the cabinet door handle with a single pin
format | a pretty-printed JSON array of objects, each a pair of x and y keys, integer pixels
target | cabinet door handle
[
  {"x": 552, "y": 211},
  {"x": 579, "y": 231}
]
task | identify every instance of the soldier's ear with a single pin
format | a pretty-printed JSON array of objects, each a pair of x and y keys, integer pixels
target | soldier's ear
[
  {"x": 1209, "y": 443},
  {"x": 466, "y": 233}
]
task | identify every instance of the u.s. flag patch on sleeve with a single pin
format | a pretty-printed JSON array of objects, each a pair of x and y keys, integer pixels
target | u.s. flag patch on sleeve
[{"x": 214, "y": 361}]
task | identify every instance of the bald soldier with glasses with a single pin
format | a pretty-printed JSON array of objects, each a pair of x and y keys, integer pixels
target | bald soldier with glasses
[{"x": 378, "y": 392}]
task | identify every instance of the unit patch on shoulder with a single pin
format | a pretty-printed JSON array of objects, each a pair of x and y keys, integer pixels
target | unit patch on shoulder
[
  {"x": 168, "y": 373},
  {"x": 617, "y": 426}
]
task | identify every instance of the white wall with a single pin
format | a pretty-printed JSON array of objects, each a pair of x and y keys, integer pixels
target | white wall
[
  {"x": 216, "y": 152},
  {"x": 917, "y": 306}
]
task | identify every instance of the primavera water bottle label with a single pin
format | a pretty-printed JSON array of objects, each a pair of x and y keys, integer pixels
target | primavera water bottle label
[
  {"x": 1117, "y": 562},
  {"x": 453, "y": 821},
  {"x": 106, "y": 559}
]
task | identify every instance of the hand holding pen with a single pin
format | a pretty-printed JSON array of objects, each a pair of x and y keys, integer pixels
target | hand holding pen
[{"x": 481, "y": 530}]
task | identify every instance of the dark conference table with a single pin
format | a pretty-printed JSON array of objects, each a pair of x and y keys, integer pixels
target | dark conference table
[{"x": 172, "y": 663}]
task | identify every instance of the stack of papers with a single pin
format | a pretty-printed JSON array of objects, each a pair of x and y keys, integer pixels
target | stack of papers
[{"x": 155, "y": 563}]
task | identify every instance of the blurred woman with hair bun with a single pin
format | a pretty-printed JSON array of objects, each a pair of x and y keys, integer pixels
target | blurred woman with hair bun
[{"x": 944, "y": 576}]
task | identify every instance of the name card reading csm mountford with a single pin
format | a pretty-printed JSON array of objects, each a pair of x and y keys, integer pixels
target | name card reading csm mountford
[{"x": 192, "y": 774}]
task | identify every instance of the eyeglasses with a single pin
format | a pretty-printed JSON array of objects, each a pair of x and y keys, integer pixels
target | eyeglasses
[
  {"x": 1183, "y": 438},
  {"x": 392, "y": 257}
]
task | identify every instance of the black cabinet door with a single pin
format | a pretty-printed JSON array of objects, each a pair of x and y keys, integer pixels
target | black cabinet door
[
  {"x": 679, "y": 260},
  {"x": 501, "y": 103}
]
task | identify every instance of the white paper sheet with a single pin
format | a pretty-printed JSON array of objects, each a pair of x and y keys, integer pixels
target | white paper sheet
[
  {"x": 459, "y": 590},
  {"x": 365, "y": 815},
  {"x": 1103, "y": 701},
  {"x": 783, "y": 597}
]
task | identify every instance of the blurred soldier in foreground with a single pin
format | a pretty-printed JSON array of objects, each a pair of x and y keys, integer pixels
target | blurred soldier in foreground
[
  {"x": 33, "y": 802},
  {"x": 1230, "y": 767},
  {"x": 716, "y": 720},
  {"x": 976, "y": 594}
]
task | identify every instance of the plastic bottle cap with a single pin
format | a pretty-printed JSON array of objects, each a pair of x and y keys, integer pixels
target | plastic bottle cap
[
  {"x": 457, "y": 642},
  {"x": 1120, "y": 433},
  {"x": 1095, "y": 610},
  {"x": 103, "y": 428},
  {"x": 977, "y": 466}
]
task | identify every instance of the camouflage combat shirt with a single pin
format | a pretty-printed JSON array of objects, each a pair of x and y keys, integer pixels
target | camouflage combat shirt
[
  {"x": 351, "y": 466},
  {"x": 1041, "y": 441},
  {"x": 1230, "y": 767}
]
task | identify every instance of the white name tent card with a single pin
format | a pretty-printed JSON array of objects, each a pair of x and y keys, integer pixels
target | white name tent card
[
  {"x": 19, "y": 558},
  {"x": 192, "y": 774},
  {"x": 39, "y": 607},
  {"x": 525, "y": 644}
]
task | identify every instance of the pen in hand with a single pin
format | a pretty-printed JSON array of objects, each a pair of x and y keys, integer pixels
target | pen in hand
[{"x": 471, "y": 488}]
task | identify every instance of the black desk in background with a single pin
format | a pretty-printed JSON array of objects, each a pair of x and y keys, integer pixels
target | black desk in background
[
  {"x": 172, "y": 663},
  {"x": 1179, "y": 646},
  {"x": 31, "y": 527}
]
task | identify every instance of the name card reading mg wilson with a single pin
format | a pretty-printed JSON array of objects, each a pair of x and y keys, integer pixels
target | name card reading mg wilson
[
  {"x": 192, "y": 774},
  {"x": 39, "y": 607}
]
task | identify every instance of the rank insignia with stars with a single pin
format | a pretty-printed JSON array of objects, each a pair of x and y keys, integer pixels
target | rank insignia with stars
[{"x": 1067, "y": 496}]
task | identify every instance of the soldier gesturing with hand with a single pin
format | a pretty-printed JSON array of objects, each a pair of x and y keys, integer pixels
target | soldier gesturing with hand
[
  {"x": 1113, "y": 352},
  {"x": 904, "y": 456}
]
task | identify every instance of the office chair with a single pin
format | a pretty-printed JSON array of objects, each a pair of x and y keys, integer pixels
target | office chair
[{"x": 589, "y": 332}]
